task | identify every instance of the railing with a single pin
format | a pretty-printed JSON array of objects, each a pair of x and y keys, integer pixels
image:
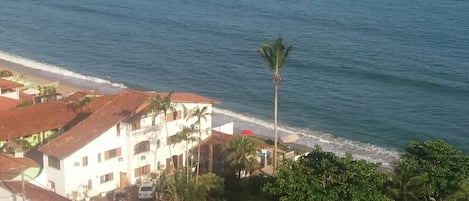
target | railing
[{"x": 145, "y": 130}]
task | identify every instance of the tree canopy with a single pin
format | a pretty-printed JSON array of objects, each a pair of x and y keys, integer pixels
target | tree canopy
[
  {"x": 445, "y": 166},
  {"x": 324, "y": 176}
]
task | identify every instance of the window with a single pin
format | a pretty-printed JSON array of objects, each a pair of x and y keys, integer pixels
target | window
[
  {"x": 143, "y": 146},
  {"x": 51, "y": 185},
  {"x": 99, "y": 157},
  {"x": 158, "y": 144},
  {"x": 118, "y": 129},
  {"x": 171, "y": 140},
  {"x": 159, "y": 165},
  {"x": 168, "y": 140},
  {"x": 54, "y": 162},
  {"x": 174, "y": 116},
  {"x": 142, "y": 170},
  {"x": 107, "y": 177},
  {"x": 112, "y": 153},
  {"x": 84, "y": 161},
  {"x": 136, "y": 125}
]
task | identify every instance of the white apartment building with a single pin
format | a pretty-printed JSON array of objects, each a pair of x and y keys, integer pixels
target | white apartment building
[{"x": 120, "y": 143}]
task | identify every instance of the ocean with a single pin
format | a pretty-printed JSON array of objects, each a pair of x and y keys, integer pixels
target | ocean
[{"x": 363, "y": 77}]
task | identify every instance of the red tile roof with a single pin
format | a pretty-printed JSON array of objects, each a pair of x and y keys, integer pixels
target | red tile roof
[
  {"x": 217, "y": 138},
  {"x": 8, "y": 103},
  {"x": 183, "y": 97},
  {"x": 7, "y": 84},
  {"x": 116, "y": 108},
  {"x": 177, "y": 98},
  {"x": 33, "y": 192},
  {"x": 10, "y": 167},
  {"x": 34, "y": 119}
]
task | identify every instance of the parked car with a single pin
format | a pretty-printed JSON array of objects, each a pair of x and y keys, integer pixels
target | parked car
[
  {"x": 120, "y": 195},
  {"x": 147, "y": 191}
]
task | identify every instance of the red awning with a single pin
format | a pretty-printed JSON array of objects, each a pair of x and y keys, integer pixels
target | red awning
[{"x": 246, "y": 132}]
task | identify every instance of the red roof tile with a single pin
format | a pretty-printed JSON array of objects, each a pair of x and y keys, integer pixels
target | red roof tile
[
  {"x": 7, "y": 84},
  {"x": 177, "y": 98},
  {"x": 33, "y": 192},
  {"x": 183, "y": 97},
  {"x": 116, "y": 108},
  {"x": 10, "y": 167},
  {"x": 8, "y": 103},
  {"x": 34, "y": 119},
  {"x": 217, "y": 138}
]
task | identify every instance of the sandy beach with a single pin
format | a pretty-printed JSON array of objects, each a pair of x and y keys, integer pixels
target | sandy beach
[{"x": 31, "y": 75}]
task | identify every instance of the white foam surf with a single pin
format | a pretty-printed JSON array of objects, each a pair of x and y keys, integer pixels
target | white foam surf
[
  {"x": 55, "y": 69},
  {"x": 309, "y": 138}
]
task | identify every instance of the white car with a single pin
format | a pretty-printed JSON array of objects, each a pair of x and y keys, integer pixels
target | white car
[{"x": 147, "y": 191}]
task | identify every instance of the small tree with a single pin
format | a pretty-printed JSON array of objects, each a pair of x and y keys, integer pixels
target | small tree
[
  {"x": 240, "y": 154},
  {"x": 404, "y": 184},
  {"x": 186, "y": 135},
  {"x": 200, "y": 114}
]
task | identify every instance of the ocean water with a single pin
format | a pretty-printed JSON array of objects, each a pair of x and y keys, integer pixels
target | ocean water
[{"x": 363, "y": 77}]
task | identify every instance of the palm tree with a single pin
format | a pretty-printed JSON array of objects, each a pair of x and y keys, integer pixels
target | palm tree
[
  {"x": 157, "y": 105},
  {"x": 81, "y": 104},
  {"x": 46, "y": 90},
  {"x": 274, "y": 54},
  {"x": 186, "y": 135},
  {"x": 240, "y": 154},
  {"x": 405, "y": 185},
  {"x": 200, "y": 114},
  {"x": 46, "y": 93}
]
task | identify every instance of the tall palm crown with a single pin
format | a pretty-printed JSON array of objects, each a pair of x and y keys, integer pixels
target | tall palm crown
[{"x": 275, "y": 54}]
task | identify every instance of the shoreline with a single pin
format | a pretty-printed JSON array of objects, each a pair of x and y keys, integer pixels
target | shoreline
[
  {"x": 45, "y": 72},
  {"x": 33, "y": 75},
  {"x": 261, "y": 129}
]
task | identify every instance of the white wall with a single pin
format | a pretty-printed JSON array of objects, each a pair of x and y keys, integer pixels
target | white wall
[
  {"x": 54, "y": 175},
  {"x": 225, "y": 128},
  {"x": 94, "y": 170},
  {"x": 13, "y": 95}
]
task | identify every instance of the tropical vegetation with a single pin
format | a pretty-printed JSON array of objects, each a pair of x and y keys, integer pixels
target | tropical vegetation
[
  {"x": 428, "y": 171},
  {"x": 240, "y": 155}
]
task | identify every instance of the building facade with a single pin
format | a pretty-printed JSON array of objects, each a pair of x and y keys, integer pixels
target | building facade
[{"x": 121, "y": 144}]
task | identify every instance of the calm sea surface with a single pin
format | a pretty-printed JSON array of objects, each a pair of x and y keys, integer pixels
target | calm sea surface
[{"x": 362, "y": 73}]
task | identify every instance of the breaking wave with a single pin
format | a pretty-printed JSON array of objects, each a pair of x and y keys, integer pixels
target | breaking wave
[{"x": 308, "y": 138}]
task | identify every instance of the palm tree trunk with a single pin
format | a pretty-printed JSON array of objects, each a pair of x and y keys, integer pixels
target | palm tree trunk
[
  {"x": 187, "y": 162},
  {"x": 198, "y": 156},
  {"x": 275, "y": 125},
  {"x": 169, "y": 145},
  {"x": 210, "y": 158}
]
